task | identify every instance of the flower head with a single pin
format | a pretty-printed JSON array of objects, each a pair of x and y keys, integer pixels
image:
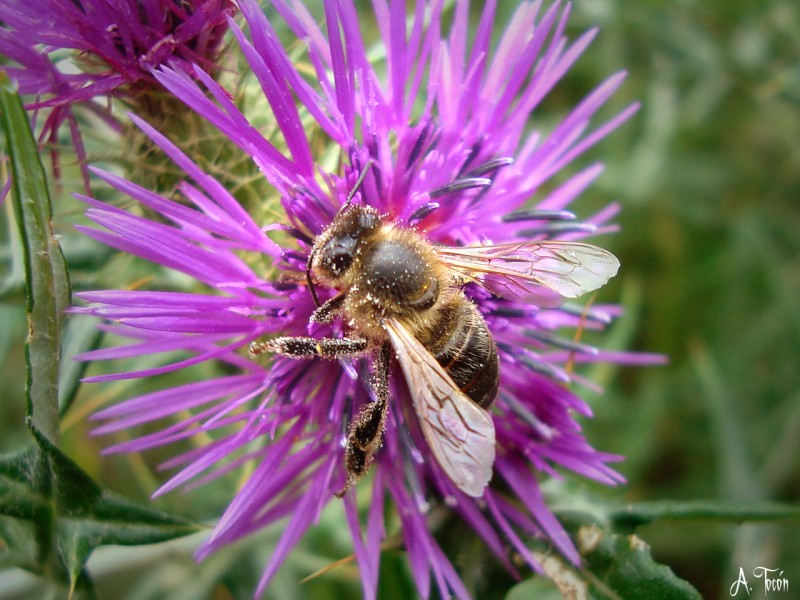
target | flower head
[
  {"x": 85, "y": 52},
  {"x": 445, "y": 126}
]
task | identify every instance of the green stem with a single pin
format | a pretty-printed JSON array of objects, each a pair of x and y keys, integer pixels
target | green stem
[
  {"x": 46, "y": 282},
  {"x": 642, "y": 513}
]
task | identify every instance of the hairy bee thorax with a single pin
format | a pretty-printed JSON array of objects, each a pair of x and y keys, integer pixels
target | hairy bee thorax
[{"x": 384, "y": 271}]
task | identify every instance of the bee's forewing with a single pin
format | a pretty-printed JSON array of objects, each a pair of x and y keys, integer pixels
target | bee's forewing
[
  {"x": 545, "y": 272},
  {"x": 460, "y": 433}
]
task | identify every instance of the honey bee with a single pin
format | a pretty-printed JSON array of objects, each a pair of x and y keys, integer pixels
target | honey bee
[{"x": 400, "y": 294}]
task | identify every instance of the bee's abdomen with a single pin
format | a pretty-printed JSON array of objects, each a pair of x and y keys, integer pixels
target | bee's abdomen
[{"x": 469, "y": 355}]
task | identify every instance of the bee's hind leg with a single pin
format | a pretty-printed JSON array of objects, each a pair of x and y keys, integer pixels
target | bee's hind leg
[{"x": 366, "y": 430}]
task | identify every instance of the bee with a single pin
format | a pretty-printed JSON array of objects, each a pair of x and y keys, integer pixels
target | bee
[{"x": 401, "y": 295}]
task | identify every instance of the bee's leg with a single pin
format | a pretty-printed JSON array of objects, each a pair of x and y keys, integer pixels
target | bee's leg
[
  {"x": 366, "y": 430},
  {"x": 308, "y": 347},
  {"x": 326, "y": 312}
]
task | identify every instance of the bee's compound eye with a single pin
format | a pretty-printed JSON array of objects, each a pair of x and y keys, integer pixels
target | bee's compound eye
[{"x": 337, "y": 255}]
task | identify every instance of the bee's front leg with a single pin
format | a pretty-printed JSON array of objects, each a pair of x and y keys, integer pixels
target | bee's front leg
[
  {"x": 308, "y": 347},
  {"x": 325, "y": 313}
]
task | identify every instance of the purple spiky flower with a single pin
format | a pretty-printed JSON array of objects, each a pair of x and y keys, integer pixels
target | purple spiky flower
[
  {"x": 446, "y": 126},
  {"x": 66, "y": 53}
]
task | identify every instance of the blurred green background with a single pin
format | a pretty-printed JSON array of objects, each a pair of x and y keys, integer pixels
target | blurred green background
[{"x": 708, "y": 176}]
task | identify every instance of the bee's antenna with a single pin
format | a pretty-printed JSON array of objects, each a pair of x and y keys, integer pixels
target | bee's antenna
[
  {"x": 309, "y": 279},
  {"x": 350, "y": 196},
  {"x": 359, "y": 181}
]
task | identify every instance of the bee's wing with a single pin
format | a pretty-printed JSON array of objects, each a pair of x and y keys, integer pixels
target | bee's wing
[
  {"x": 544, "y": 272},
  {"x": 460, "y": 433}
]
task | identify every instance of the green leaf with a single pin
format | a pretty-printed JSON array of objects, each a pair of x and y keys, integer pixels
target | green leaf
[
  {"x": 69, "y": 515},
  {"x": 622, "y": 564},
  {"x": 47, "y": 284}
]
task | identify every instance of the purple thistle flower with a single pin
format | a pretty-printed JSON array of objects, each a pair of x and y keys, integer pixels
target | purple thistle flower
[
  {"x": 85, "y": 52},
  {"x": 439, "y": 128}
]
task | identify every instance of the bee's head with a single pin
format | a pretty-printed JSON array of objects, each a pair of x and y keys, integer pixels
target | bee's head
[{"x": 335, "y": 248}]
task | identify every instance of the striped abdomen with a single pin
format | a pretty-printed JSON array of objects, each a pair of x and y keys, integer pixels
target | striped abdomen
[{"x": 467, "y": 352}]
